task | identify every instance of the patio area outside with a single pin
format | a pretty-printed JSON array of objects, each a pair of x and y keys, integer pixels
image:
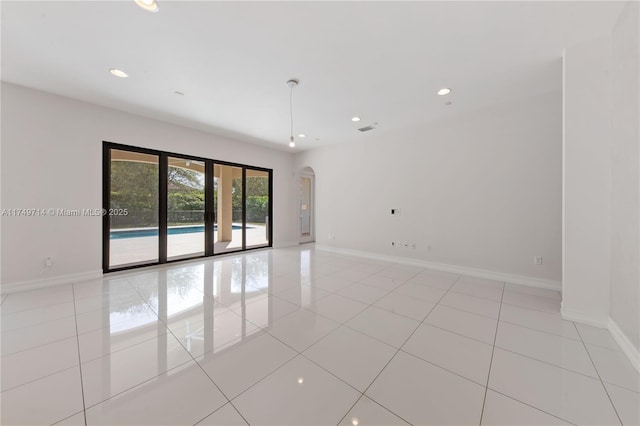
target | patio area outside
[{"x": 134, "y": 250}]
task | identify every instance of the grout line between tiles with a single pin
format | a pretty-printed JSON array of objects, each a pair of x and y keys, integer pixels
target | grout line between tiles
[
  {"x": 138, "y": 384},
  {"x": 495, "y": 337},
  {"x": 218, "y": 409},
  {"x": 622, "y": 387},
  {"x": 351, "y": 408},
  {"x": 615, "y": 410},
  {"x": 531, "y": 294},
  {"x": 469, "y": 312},
  {"x": 530, "y": 308},
  {"x": 619, "y": 350},
  {"x": 391, "y": 359},
  {"x": 39, "y": 346},
  {"x": 546, "y": 362},
  {"x": 40, "y": 378},
  {"x": 189, "y": 353},
  {"x": 37, "y": 323},
  {"x": 84, "y": 405},
  {"x": 68, "y": 417},
  {"x": 454, "y": 332},
  {"x": 300, "y": 353},
  {"x": 442, "y": 368},
  {"x": 367, "y": 306},
  {"x": 452, "y": 290},
  {"x": 123, "y": 348},
  {"x": 540, "y": 331},
  {"x": 529, "y": 405}
]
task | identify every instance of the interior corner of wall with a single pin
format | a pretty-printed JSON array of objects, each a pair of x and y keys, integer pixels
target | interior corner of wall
[
  {"x": 629, "y": 349},
  {"x": 595, "y": 320}
]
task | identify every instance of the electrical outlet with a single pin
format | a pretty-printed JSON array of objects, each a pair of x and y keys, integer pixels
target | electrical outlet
[
  {"x": 428, "y": 247},
  {"x": 405, "y": 245},
  {"x": 48, "y": 262},
  {"x": 414, "y": 246},
  {"x": 537, "y": 260},
  {"x": 393, "y": 244},
  {"x": 332, "y": 237}
]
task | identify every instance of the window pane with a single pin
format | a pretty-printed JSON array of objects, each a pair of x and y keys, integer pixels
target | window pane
[
  {"x": 257, "y": 208},
  {"x": 185, "y": 208},
  {"x": 133, "y": 230},
  {"x": 227, "y": 187}
]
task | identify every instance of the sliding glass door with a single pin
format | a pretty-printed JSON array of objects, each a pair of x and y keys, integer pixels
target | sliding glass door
[
  {"x": 132, "y": 208},
  {"x": 229, "y": 210},
  {"x": 185, "y": 208},
  {"x": 258, "y": 206},
  {"x": 164, "y": 207}
]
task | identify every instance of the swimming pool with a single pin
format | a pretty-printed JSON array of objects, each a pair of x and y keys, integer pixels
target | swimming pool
[{"x": 153, "y": 232}]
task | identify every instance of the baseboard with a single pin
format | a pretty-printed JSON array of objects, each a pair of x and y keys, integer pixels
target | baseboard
[
  {"x": 285, "y": 244},
  {"x": 584, "y": 318},
  {"x": 625, "y": 344},
  {"x": 49, "y": 282},
  {"x": 445, "y": 267}
]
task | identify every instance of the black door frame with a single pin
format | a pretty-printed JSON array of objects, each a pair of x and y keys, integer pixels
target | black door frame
[{"x": 163, "y": 166}]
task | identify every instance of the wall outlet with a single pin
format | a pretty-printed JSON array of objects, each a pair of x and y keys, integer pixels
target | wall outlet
[
  {"x": 414, "y": 246},
  {"x": 405, "y": 245},
  {"x": 332, "y": 237},
  {"x": 428, "y": 247},
  {"x": 48, "y": 262},
  {"x": 537, "y": 260},
  {"x": 395, "y": 212},
  {"x": 394, "y": 244}
]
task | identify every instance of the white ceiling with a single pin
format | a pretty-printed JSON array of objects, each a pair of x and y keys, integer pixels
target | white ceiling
[{"x": 382, "y": 61}]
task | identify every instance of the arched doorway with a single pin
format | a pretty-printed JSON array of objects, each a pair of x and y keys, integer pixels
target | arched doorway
[{"x": 307, "y": 206}]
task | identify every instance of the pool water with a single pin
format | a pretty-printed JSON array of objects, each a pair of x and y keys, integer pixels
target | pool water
[{"x": 153, "y": 232}]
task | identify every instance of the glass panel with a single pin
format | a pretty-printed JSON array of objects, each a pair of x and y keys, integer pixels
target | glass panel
[
  {"x": 305, "y": 207},
  {"x": 185, "y": 208},
  {"x": 133, "y": 229},
  {"x": 227, "y": 187},
  {"x": 257, "y": 208}
]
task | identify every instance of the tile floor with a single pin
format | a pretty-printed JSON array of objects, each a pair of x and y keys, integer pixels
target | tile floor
[{"x": 303, "y": 337}]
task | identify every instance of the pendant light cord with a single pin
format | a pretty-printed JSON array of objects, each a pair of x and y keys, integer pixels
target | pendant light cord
[{"x": 291, "y": 110}]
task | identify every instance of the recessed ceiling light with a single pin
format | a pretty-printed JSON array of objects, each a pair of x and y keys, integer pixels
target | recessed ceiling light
[
  {"x": 355, "y": 118},
  {"x": 149, "y": 5},
  {"x": 444, "y": 91},
  {"x": 118, "y": 73},
  {"x": 302, "y": 135},
  {"x": 292, "y": 144}
]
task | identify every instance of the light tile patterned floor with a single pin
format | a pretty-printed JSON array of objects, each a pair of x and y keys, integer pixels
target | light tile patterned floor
[{"x": 304, "y": 337}]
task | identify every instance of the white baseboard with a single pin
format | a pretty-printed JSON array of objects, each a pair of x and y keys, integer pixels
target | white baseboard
[
  {"x": 285, "y": 244},
  {"x": 464, "y": 270},
  {"x": 609, "y": 324},
  {"x": 625, "y": 344},
  {"x": 49, "y": 282},
  {"x": 600, "y": 321}
]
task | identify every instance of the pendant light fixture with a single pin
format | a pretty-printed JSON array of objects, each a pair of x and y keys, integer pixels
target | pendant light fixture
[{"x": 292, "y": 83}]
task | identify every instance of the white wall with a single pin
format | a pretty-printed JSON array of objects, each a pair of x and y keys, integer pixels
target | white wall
[
  {"x": 625, "y": 176},
  {"x": 587, "y": 181},
  {"x": 483, "y": 189},
  {"x": 601, "y": 276},
  {"x": 52, "y": 157}
]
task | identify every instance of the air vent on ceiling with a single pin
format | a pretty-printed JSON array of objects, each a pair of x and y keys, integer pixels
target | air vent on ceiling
[{"x": 366, "y": 128}]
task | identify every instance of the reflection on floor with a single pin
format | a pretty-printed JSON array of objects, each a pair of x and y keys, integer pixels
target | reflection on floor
[{"x": 299, "y": 336}]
